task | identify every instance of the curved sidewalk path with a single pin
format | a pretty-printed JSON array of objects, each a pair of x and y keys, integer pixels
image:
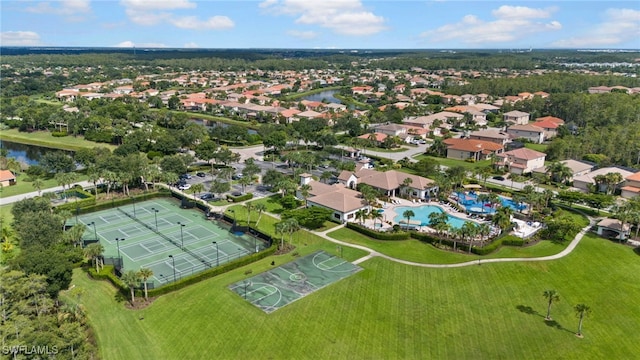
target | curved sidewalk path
[{"x": 373, "y": 253}]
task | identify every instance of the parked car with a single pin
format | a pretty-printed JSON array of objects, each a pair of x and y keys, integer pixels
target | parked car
[
  {"x": 201, "y": 174},
  {"x": 501, "y": 178},
  {"x": 184, "y": 187},
  {"x": 236, "y": 177},
  {"x": 185, "y": 176},
  {"x": 207, "y": 196}
]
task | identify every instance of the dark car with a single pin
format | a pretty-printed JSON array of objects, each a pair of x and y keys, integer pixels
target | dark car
[
  {"x": 185, "y": 176},
  {"x": 201, "y": 174},
  {"x": 501, "y": 178},
  {"x": 206, "y": 196}
]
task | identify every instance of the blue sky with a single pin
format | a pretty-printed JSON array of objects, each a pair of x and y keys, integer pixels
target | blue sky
[{"x": 322, "y": 24}]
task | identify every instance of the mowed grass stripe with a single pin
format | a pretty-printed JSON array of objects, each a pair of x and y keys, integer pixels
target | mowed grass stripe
[{"x": 378, "y": 313}]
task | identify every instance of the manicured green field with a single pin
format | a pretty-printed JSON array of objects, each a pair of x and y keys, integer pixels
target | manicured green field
[
  {"x": 44, "y": 138},
  {"x": 453, "y": 162},
  {"x": 391, "y": 311},
  {"x": 23, "y": 187},
  {"x": 536, "y": 147}
]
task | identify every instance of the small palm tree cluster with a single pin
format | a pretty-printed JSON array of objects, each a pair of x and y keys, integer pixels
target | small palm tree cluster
[
  {"x": 132, "y": 279},
  {"x": 581, "y": 310}
]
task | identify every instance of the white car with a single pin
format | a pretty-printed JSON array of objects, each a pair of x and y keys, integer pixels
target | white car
[{"x": 184, "y": 187}]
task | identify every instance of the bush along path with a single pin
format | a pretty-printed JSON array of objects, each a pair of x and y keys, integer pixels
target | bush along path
[{"x": 373, "y": 253}]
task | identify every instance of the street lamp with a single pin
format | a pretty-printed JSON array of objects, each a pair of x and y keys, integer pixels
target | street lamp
[
  {"x": 95, "y": 233},
  {"x": 246, "y": 284},
  {"x": 133, "y": 199},
  {"x": 119, "y": 257},
  {"x": 155, "y": 215},
  {"x": 181, "y": 236},
  {"x": 173, "y": 263},
  {"x": 217, "y": 257},
  {"x": 234, "y": 218}
]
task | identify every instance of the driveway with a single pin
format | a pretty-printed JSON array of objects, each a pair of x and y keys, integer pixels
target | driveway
[{"x": 410, "y": 152}]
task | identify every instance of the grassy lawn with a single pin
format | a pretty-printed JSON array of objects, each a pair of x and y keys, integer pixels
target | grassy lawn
[
  {"x": 390, "y": 310},
  {"x": 536, "y": 147},
  {"x": 453, "y": 162},
  {"x": 44, "y": 138},
  {"x": 23, "y": 187},
  {"x": 416, "y": 251}
]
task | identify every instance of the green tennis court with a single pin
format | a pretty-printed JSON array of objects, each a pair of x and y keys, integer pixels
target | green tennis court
[
  {"x": 284, "y": 284},
  {"x": 171, "y": 241}
]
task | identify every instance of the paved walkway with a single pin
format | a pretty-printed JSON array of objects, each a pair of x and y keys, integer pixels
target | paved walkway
[
  {"x": 4, "y": 200},
  {"x": 373, "y": 253}
]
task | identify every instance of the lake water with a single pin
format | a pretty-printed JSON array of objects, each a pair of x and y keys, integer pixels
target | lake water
[
  {"x": 325, "y": 95},
  {"x": 28, "y": 154}
]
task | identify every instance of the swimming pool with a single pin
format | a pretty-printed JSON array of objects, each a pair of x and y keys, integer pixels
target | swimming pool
[
  {"x": 422, "y": 215},
  {"x": 471, "y": 203}
]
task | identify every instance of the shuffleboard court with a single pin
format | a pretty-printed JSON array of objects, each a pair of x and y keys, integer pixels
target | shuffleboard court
[
  {"x": 171, "y": 241},
  {"x": 284, "y": 284}
]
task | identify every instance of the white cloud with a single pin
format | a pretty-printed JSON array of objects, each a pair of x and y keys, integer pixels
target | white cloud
[
  {"x": 191, "y": 45},
  {"x": 71, "y": 9},
  {"x": 511, "y": 23},
  {"x": 131, "y": 44},
  {"x": 347, "y": 17},
  {"x": 192, "y": 22},
  {"x": 126, "y": 44},
  {"x": 305, "y": 35},
  {"x": 157, "y": 4},
  {"x": 152, "y": 12},
  {"x": 521, "y": 12},
  {"x": 19, "y": 38},
  {"x": 619, "y": 26}
]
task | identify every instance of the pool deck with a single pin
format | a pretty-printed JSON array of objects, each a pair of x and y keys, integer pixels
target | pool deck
[{"x": 390, "y": 213}]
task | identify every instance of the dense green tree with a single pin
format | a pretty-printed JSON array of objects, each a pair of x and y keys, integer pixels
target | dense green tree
[{"x": 57, "y": 162}]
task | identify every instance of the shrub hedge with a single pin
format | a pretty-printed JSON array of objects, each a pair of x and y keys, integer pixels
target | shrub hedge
[
  {"x": 506, "y": 240},
  {"x": 108, "y": 273},
  {"x": 401, "y": 235},
  {"x": 88, "y": 200},
  {"x": 240, "y": 198},
  {"x": 117, "y": 202}
]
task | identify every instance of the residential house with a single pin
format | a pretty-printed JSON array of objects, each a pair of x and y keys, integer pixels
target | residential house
[
  {"x": 476, "y": 150},
  {"x": 631, "y": 186},
  {"x": 7, "y": 178},
  {"x": 516, "y": 117},
  {"x": 390, "y": 182},
  {"x": 587, "y": 181},
  {"x": 495, "y": 136},
  {"x": 521, "y": 161},
  {"x": 533, "y": 133},
  {"x": 578, "y": 168},
  {"x": 550, "y": 128}
]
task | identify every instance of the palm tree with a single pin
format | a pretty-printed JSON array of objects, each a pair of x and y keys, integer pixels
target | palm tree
[
  {"x": 552, "y": 296},
  {"x": 483, "y": 199},
  {"x": 260, "y": 208},
  {"x": 326, "y": 175},
  {"x": 612, "y": 180},
  {"x": 484, "y": 230},
  {"x": 502, "y": 217},
  {"x": 37, "y": 184},
  {"x": 93, "y": 177},
  {"x": 131, "y": 279},
  {"x": 281, "y": 228},
  {"x": 144, "y": 274},
  {"x": 361, "y": 215},
  {"x": 408, "y": 214},
  {"x": 74, "y": 235},
  {"x": 93, "y": 252},
  {"x": 375, "y": 215},
  {"x": 304, "y": 192},
  {"x": 582, "y": 311},
  {"x": 244, "y": 181},
  {"x": 292, "y": 226},
  {"x": 559, "y": 172},
  {"x": 405, "y": 185},
  {"x": 248, "y": 206},
  {"x": 196, "y": 189},
  {"x": 469, "y": 230}
]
